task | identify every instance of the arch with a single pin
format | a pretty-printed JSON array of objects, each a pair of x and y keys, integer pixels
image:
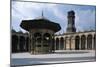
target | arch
[
  {"x": 36, "y": 41},
  {"x": 61, "y": 43},
  {"x": 57, "y": 43},
  {"x": 46, "y": 37},
  {"x": 37, "y": 37},
  {"x": 14, "y": 43},
  {"x": 77, "y": 42},
  {"x": 89, "y": 41},
  {"x": 83, "y": 42},
  {"x": 47, "y": 40},
  {"x": 22, "y": 45}
]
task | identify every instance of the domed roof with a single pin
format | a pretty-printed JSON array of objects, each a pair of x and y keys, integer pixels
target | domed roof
[{"x": 40, "y": 23}]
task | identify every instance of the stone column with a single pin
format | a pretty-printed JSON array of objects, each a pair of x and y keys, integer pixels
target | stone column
[
  {"x": 18, "y": 48},
  {"x": 59, "y": 43},
  {"x": 42, "y": 41},
  {"x": 31, "y": 43},
  {"x": 80, "y": 44},
  {"x": 86, "y": 43},
  {"x": 55, "y": 43},
  {"x": 70, "y": 43},
  {"x": 64, "y": 43},
  {"x": 73, "y": 43},
  {"x": 92, "y": 43},
  {"x": 28, "y": 43},
  {"x": 51, "y": 43},
  {"x": 25, "y": 45}
]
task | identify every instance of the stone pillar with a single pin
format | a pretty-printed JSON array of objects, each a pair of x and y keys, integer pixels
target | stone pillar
[
  {"x": 25, "y": 45},
  {"x": 80, "y": 43},
  {"x": 55, "y": 43},
  {"x": 73, "y": 43},
  {"x": 68, "y": 43},
  {"x": 51, "y": 43},
  {"x": 31, "y": 43},
  {"x": 92, "y": 43},
  {"x": 86, "y": 43},
  {"x": 42, "y": 42},
  {"x": 28, "y": 43},
  {"x": 64, "y": 43},
  {"x": 18, "y": 48},
  {"x": 59, "y": 43}
]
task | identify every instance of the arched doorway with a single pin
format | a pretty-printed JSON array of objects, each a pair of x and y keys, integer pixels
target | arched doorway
[
  {"x": 57, "y": 43},
  {"x": 83, "y": 42},
  {"x": 89, "y": 42},
  {"x": 22, "y": 45},
  {"x": 61, "y": 43},
  {"x": 14, "y": 43},
  {"x": 77, "y": 42}
]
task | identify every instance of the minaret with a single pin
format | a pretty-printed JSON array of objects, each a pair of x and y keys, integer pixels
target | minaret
[{"x": 71, "y": 22}]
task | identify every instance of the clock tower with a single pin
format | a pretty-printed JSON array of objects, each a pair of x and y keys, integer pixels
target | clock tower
[{"x": 71, "y": 22}]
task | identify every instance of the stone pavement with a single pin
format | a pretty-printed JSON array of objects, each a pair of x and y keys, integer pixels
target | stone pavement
[{"x": 60, "y": 56}]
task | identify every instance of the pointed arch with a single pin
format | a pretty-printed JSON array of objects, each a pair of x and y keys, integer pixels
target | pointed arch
[
  {"x": 61, "y": 43},
  {"x": 89, "y": 41},
  {"x": 22, "y": 45},
  {"x": 77, "y": 42},
  {"x": 14, "y": 43},
  {"x": 83, "y": 42},
  {"x": 57, "y": 43}
]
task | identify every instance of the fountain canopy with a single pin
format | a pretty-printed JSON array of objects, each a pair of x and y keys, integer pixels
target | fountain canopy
[
  {"x": 41, "y": 34},
  {"x": 40, "y": 23}
]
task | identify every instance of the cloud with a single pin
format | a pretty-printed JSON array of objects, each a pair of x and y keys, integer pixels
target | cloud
[
  {"x": 29, "y": 10},
  {"x": 85, "y": 16},
  {"x": 85, "y": 19}
]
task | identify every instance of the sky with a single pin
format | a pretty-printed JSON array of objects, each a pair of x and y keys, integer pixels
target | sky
[{"x": 84, "y": 14}]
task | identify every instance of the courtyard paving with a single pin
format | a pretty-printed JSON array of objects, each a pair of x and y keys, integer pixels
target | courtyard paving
[{"x": 60, "y": 56}]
